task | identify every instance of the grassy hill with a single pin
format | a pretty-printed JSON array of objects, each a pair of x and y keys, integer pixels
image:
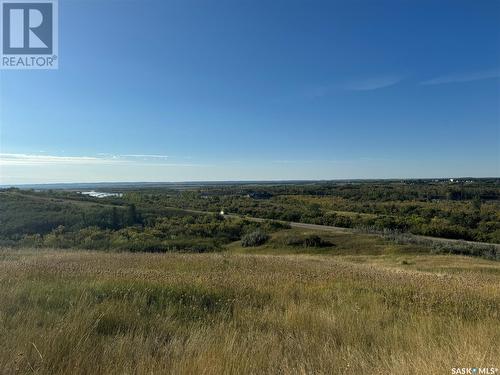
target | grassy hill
[
  {"x": 85, "y": 312},
  {"x": 132, "y": 286}
]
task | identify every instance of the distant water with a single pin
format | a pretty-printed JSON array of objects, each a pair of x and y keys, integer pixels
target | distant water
[{"x": 99, "y": 194}]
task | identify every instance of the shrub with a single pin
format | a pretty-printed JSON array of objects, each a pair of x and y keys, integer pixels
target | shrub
[
  {"x": 436, "y": 246},
  {"x": 255, "y": 238},
  {"x": 311, "y": 240}
]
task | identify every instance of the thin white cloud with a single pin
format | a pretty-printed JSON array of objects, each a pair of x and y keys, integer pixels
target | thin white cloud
[
  {"x": 13, "y": 159},
  {"x": 374, "y": 83},
  {"x": 145, "y": 156},
  {"x": 34, "y": 159},
  {"x": 463, "y": 77},
  {"x": 126, "y": 156}
]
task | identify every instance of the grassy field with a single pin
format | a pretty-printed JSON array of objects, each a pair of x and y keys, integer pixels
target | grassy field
[{"x": 392, "y": 311}]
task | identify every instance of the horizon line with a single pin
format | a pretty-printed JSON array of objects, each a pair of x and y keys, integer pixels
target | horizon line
[{"x": 3, "y": 186}]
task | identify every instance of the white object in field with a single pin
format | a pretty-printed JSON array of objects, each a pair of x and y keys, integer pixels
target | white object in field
[
  {"x": 222, "y": 212},
  {"x": 97, "y": 194}
]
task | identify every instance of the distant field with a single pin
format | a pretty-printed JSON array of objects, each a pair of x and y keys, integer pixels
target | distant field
[{"x": 398, "y": 312}]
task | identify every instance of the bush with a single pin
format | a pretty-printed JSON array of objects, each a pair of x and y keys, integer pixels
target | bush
[
  {"x": 486, "y": 251},
  {"x": 311, "y": 240},
  {"x": 253, "y": 239},
  {"x": 467, "y": 249}
]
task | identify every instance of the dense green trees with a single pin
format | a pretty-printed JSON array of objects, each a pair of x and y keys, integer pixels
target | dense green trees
[
  {"x": 37, "y": 220},
  {"x": 466, "y": 210},
  {"x": 149, "y": 219}
]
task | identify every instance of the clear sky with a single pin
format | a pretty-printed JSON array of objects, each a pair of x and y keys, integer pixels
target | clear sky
[{"x": 159, "y": 90}]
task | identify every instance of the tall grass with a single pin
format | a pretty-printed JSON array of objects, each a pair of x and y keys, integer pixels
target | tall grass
[{"x": 91, "y": 313}]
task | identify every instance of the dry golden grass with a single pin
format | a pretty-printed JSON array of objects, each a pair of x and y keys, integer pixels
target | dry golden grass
[{"x": 91, "y": 313}]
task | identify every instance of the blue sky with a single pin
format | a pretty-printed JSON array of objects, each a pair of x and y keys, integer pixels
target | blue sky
[{"x": 158, "y": 90}]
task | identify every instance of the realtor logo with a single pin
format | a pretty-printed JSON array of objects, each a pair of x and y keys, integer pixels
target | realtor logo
[{"x": 29, "y": 34}]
